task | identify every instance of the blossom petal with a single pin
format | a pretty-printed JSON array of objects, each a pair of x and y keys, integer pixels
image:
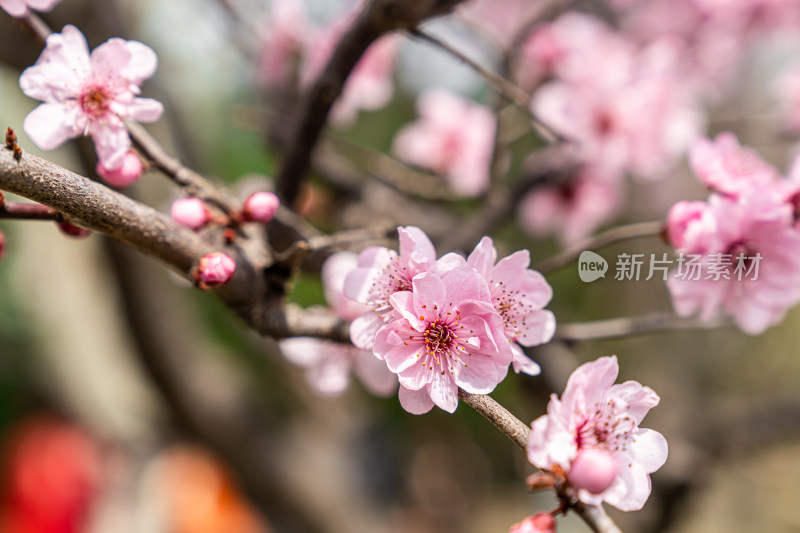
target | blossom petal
[
  {"x": 444, "y": 392},
  {"x": 374, "y": 374},
  {"x": 416, "y": 402},
  {"x": 15, "y": 8},
  {"x": 111, "y": 142},
  {"x": 51, "y": 125},
  {"x": 363, "y": 330},
  {"x": 302, "y": 351},
  {"x": 143, "y": 62},
  {"x": 649, "y": 449},
  {"x": 524, "y": 364},
  {"x": 145, "y": 110},
  {"x": 108, "y": 59}
]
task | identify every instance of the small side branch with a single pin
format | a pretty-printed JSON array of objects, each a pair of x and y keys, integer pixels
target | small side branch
[
  {"x": 627, "y": 327},
  {"x": 614, "y": 235},
  {"x": 511, "y": 426}
]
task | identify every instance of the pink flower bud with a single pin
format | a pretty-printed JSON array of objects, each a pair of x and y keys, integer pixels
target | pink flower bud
[
  {"x": 539, "y": 523},
  {"x": 190, "y": 212},
  {"x": 2, "y": 245},
  {"x": 215, "y": 269},
  {"x": 594, "y": 470},
  {"x": 128, "y": 172},
  {"x": 260, "y": 207},
  {"x": 72, "y": 230}
]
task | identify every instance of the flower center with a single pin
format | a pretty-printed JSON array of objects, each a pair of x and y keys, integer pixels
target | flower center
[
  {"x": 394, "y": 278},
  {"x": 439, "y": 338},
  {"x": 510, "y": 305},
  {"x": 606, "y": 427},
  {"x": 94, "y": 100}
]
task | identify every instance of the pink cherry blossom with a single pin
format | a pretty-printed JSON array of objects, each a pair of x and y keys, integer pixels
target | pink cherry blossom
[
  {"x": 260, "y": 206},
  {"x": 19, "y": 8},
  {"x": 89, "y": 94},
  {"x": 573, "y": 210},
  {"x": 190, "y": 212},
  {"x": 215, "y": 269},
  {"x": 787, "y": 91},
  {"x": 381, "y": 272},
  {"x": 126, "y": 174},
  {"x": 328, "y": 364},
  {"x": 446, "y": 335},
  {"x": 500, "y": 20},
  {"x": 519, "y": 294},
  {"x": 593, "y": 470},
  {"x": 730, "y": 169},
  {"x": 593, "y": 412},
  {"x": 454, "y": 137},
  {"x": 751, "y": 269},
  {"x": 538, "y": 523}
]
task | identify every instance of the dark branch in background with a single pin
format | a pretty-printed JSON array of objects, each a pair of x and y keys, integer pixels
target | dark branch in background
[
  {"x": 27, "y": 211},
  {"x": 378, "y": 18}
]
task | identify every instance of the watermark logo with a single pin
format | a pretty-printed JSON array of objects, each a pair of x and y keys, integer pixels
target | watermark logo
[{"x": 591, "y": 266}]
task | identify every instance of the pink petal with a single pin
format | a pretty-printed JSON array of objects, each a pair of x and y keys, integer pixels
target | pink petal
[
  {"x": 524, "y": 364},
  {"x": 42, "y": 5},
  {"x": 111, "y": 142},
  {"x": 143, "y": 62},
  {"x": 649, "y": 449},
  {"x": 374, "y": 374},
  {"x": 363, "y": 330},
  {"x": 15, "y": 8},
  {"x": 108, "y": 60},
  {"x": 416, "y": 402},
  {"x": 540, "y": 328},
  {"x": 632, "y": 488},
  {"x": 302, "y": 351},
  {"x": 145, "y": 110},
  {"x": 390, "y": 345},
  {"x": 51, "y": 125},
  {"x": 483, "y": 257},
  {"x": 444, "y": 392},
  {"x": 480, "y": 376}
]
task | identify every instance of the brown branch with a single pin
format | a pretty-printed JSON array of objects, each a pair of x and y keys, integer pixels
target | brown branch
[
  {"x": 96, "y": 207},
  {"x": 378, "y": 18},
  {"x": 614, "y": 235},
  {"x": 627, "y": 327},
  {"x": 28, "y": 211}
]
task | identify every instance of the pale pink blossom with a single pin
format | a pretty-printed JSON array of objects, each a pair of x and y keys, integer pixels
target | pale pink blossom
[
  {"x": 538, "y": 523},
  {"x": 446, "y": 335},
  {"x": 89, "y": 94},
  {"x": 454, "y": 137},
  {"x": 260, "y": 207},
  {"x": 381, "y": 272},
  {"x": 215, "y": 269},
  {"x": 730, "y": 169},
  {"x": 329, "y": 364},
  {"x": 126, "y": 174},
  {"x": 19, "y": 8},
  {"x": 593, "y": 412},
  {"x": 787, "y": 91},
  {"x": 519, "y": 294},
  {"x": 190, "y": 212},
  {"x": 573, "y": 210},
  {"x": 751, "y": 269}
]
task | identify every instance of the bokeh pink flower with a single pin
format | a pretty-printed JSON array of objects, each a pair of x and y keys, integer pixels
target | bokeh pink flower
[{"x": 19, "y": 8}]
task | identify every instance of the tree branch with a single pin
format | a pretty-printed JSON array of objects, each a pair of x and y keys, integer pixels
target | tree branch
[
  {"x": 630, "y": 326},
  {"x": 378, "y": 18}
]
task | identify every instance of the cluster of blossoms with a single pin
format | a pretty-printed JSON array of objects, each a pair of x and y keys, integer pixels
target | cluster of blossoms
[
  {"x": 751, "y": 212},
  {"x": 451, "y": 322},
  {"x": 623, "y": 105}
]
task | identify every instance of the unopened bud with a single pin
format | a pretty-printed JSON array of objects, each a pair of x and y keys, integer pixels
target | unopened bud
[
  {"x": 594, "y": 470},
  {"x": 190, "y": 212},
  {"x": 73, "y": 230},
  {"x": 215, "y": 269},
  {"x": 539, "y": 523},
  {"x": 128, "y": 172},
  {"x": 260, "y": 207}
]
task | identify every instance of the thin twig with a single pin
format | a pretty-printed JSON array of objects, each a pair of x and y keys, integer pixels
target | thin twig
[
  {"x": 630, "y": 326},
  {"x": 618, "y": 234},
  {"x": 28, "y": 211},
  {"x": 513, "y": 93}
]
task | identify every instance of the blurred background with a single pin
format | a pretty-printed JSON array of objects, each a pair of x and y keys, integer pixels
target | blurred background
[{"x": 130, "y": 402}]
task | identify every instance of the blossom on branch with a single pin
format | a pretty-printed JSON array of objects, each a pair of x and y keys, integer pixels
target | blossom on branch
[
  {"x": 19, "y": 8},
  {"x": 447, "y": 335},
  {"x": 453, "y": 137},
  {"x": 87, "y": 94},
  {"x": 594, "y": 413}
]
